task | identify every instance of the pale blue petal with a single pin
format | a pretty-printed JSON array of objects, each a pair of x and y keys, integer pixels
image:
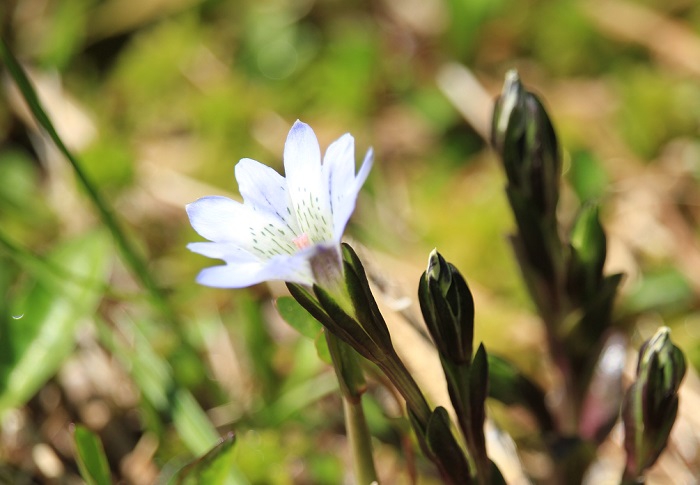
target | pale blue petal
[
  {"x": 308, "y": 188},
  {"x": 363, "y": 173},
  {"x": 218, "y": 218},
  {"x": 339, "y": 160},
  {"x": 294, "y": 269},
  {"x": 262, "y": 188},
  {"x": 258, "y": 239},
  {"x": 223, "y": 220},
  {"x": 231, "y": 253},
  {"x": 339, "y": 169},
  {"x": 232, "y": 276},
  {"x": 346, "y": 196}
]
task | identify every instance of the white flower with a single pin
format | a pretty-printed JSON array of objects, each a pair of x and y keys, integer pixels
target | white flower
[{"x": 282, "y": 224}]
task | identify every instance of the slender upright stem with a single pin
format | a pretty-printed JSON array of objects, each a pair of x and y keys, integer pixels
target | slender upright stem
[
  {"x": 352, "y": 385},
  {"x": 360, "y": 442}
]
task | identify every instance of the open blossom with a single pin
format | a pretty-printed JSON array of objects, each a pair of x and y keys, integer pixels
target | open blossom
[{"x": 286, "y": 228}]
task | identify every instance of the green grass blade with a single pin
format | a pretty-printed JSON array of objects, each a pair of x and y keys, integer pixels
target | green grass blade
[
  {"x": 40, "y": 333},
  {"x": 213, "y": 468},
  {"x": 91, "y": 458},
  {"x": 154, "y": 378},
  {"x": 128, "y": 251},
  {"x": 191, "y": 422},
  {"x": 43, "y": 269}
]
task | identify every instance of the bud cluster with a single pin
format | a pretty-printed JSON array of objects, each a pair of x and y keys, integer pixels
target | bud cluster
[{"x": 651, "y": 403}]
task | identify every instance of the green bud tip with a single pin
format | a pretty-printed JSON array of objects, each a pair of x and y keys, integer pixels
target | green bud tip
[
  {"x": 658, "y": 347},
  {"x": 448, "y": 308},
  {"x": 511, "y": 95},
  {"x": 669, "y": 359},
  {"x": 656, "y": 344},
  {"x": 512, "y": 89},
  {"x": 651, "y": 404},
  {"x": 439, "y": 271}
]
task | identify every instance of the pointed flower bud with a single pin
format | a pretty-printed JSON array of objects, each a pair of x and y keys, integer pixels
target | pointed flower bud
[
  {"x": 523, "y": 135},
  {"x": 651, "y": 403},
  {"x": 511, "y": 97},
  {"x": 448, "y": 309}
]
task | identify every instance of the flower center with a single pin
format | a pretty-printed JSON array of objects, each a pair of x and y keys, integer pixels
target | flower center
[{"x": 302, "y": 241}]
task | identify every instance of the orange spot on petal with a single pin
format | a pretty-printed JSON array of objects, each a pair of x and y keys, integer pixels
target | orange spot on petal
[{"x": 302, "y": 241}]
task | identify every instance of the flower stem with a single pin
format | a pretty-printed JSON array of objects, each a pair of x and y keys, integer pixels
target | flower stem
[
  {"x": 360, "y": 442},
  {"x": 352, "y": 386}
]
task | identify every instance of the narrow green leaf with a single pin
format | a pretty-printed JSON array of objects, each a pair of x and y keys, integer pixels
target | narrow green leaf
[
  {"x": 444, "y": 447},
  {"x": 345, "y": 326},
  {"x": 322, "y": 348},
  {"x": 595, "y": 320},
  {"x": 150, "y": 372},
  {"x": 40, "y": 333},
  {"x": 310, "y": 304},
  {"x": 297, "y": 317},
  {"x": 588, "y": 252},
  {"x": 191, "y": 422},
  {"x": 90, "y": 455},
  {"x": 41, "y": 268},
  {"x": 478, "y": 389},
  {"x": 299, "y": 398},
  {"x": 363, "y": 300},
  {"x": 587, "y": 176},
  {"x": 532, "y": 231},
  {"x": 664, "y": 290},
  {"x": 256, "y": 338},
  {"x": 153, "y": 376},
  {"x": 213, "y": 468},
  {"x": 131, "y": 256}
]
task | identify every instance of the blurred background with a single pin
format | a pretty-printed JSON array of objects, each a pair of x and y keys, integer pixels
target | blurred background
[{"x": 160, "y": 98}]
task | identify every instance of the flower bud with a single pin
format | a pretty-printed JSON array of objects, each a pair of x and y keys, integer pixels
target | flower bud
[
  {"x": 524, "y": 137},
  {"x": 448, "y": 309},
  {"x": 651, "y": 403}
]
